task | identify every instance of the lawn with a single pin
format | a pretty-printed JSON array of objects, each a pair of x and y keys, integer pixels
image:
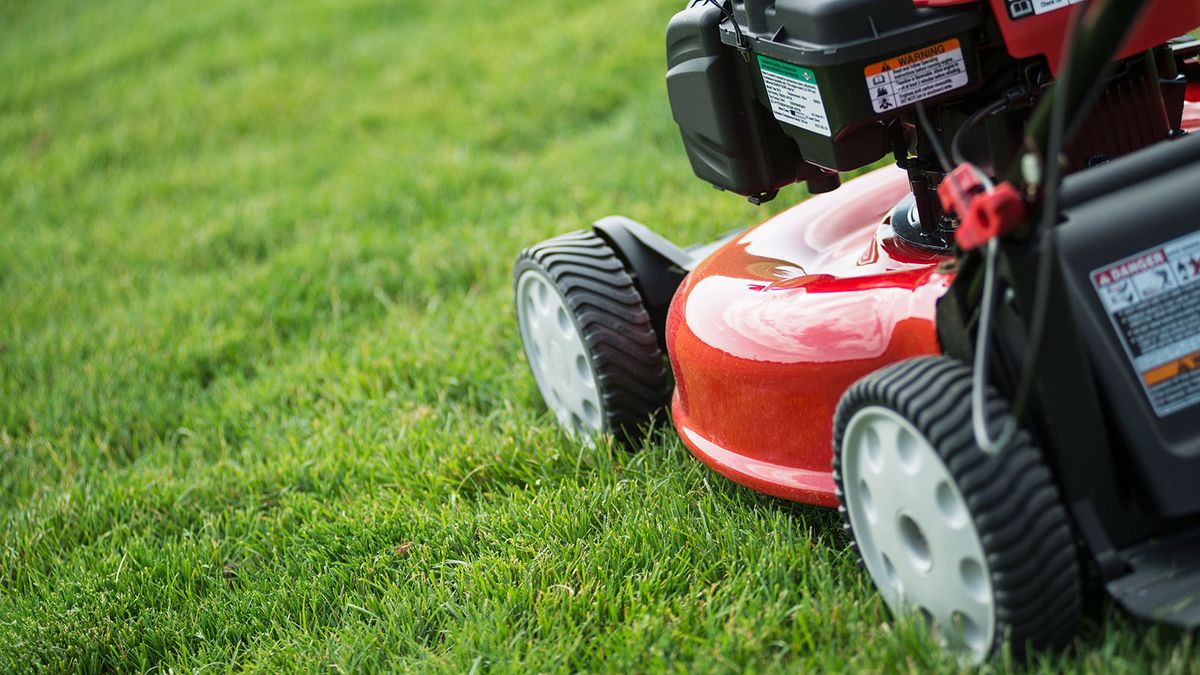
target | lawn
[{"x": 262, "y": 398}]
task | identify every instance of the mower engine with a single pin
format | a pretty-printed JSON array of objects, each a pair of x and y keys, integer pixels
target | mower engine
[{"x": 767, "y": 93}]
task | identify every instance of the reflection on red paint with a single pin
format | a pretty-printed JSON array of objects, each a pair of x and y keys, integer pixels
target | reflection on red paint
[{"x": 766, "y": 334}]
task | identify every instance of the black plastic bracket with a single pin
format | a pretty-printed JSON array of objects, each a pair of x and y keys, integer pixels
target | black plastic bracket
[
  {"x": 656, "y": 264},
  {"x": 1164, "y": 581}
]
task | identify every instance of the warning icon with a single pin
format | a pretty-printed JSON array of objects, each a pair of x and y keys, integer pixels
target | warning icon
[
  {"x": 1188, "y": 268},
  {"x": 1153, "y": 282},
  {"x": 1120, "y": 295}
]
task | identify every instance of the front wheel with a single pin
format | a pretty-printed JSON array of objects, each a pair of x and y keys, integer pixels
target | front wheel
[
  {"x": 977, "y": 544},
  {"x": 588, "y": 337}
]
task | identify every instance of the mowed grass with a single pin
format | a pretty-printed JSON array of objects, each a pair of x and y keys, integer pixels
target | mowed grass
[{"x": 262, "y": 398}]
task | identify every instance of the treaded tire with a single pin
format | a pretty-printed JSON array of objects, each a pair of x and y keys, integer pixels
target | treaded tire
[
  {"x": 630, "y": 372},
  {"x": 1010, "y": 497}
]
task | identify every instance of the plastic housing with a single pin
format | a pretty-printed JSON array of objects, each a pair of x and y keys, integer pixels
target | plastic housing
[
  {"x": 837, "y": 40},
  {"x": 731, "y": 140}
]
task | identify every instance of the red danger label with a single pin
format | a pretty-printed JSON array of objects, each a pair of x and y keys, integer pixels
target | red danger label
[{"x": 1129, "y": 268}]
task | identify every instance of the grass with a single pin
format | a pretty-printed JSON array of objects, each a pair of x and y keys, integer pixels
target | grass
[{"x": 262, "y": 402}]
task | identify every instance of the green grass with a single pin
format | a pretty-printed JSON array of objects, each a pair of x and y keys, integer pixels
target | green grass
[{"x": 262, "y": 402}]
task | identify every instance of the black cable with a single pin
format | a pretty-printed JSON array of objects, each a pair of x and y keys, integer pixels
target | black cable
[
  {"x": 979, "y": 385},
  {"x": 727, "y": 15},
  {"x": 1050, "y": 180},
  {"x": 992, "y": 108},
  {"x": 979, "y": 419},
  {"x": 1060, "y": 129},
  {"x": 934, "y": 140}
]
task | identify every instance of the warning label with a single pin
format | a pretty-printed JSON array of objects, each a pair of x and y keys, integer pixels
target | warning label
[
  {"x": 916, "y": 76},
  {"x": 1153, "y": 300},
  {"x": 795, "y": 96}
]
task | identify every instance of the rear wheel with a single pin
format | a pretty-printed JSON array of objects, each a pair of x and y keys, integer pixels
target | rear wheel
[
  {"x": 588, "y": 338},
  {"x": 978, "y": 544}
]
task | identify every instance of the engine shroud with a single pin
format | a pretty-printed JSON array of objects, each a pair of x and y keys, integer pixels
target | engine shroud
[
  {"x": 767, "y": 93},
  {"x": 787, "y": 90}
]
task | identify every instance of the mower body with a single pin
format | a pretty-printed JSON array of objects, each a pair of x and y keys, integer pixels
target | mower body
[{"x": 768, "y": 332}]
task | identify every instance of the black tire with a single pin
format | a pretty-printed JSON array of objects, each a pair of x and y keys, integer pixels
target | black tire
[
  {"x": 630, "y": 372},
  {"x": 1010, "y": 497}
]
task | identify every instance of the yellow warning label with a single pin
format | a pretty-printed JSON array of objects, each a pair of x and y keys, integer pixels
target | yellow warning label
[
  {"x": 917, "y": 75},
  {"x": 1173, "y": 369},
  {"x": 905, "y": 60}
]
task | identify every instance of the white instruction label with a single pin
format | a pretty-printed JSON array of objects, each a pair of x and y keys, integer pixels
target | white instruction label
[
  {"x": 1019, "y": 9},
  {"x": 795, "y": 96},
  {"x": 1153, "y": 300},
  {"x": 916, "y": 76}
]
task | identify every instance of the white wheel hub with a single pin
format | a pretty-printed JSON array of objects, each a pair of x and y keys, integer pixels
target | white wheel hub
[
  {"x": 558, "y": 356},
  {"x": 914, "y": 530}
]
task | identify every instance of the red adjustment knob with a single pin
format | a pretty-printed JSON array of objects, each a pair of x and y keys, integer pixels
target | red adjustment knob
[
  {"x": 991, "y": 215},
  {"x": 982, "y": 215}
]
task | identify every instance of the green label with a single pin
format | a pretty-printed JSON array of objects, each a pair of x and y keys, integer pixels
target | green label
[
  {"x": 795, "y": 96},
  {"x": 786, "y": 69}
]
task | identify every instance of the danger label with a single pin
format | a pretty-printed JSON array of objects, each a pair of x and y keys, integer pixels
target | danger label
[
  {"x": 794, "y": 94},
  {"x": 1153, "y": 301},
  {"x": 916, "y": 76}
]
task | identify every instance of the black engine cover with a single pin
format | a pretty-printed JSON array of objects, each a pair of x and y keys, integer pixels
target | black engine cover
[
  {"x": 780, "y": 91},
  {"x": 731, "y": 140}
]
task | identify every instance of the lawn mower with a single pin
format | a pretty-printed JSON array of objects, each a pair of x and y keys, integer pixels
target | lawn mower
[{"x": 985, "y": 355}]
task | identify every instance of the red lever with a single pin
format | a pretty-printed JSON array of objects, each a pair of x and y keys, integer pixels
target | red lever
[{"x": 982, "y": 215}]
